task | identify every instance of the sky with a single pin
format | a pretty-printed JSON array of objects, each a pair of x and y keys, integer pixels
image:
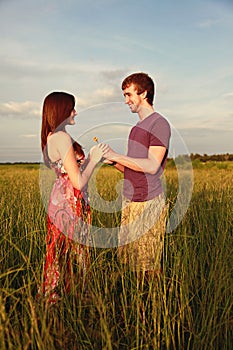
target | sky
[{"x": 88, "y": 47}]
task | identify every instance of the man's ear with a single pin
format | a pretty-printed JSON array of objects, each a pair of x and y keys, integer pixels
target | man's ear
[{"x": 144, "y": 94}]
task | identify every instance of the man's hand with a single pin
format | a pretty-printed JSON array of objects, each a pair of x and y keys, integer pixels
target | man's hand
[{"x": 110, "y": 155}]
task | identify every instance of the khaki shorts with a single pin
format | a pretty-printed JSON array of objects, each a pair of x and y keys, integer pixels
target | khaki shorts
[{"x": 141, "y": 236}]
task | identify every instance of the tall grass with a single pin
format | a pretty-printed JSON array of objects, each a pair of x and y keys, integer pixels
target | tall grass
[{"x": 187, "y": 306}]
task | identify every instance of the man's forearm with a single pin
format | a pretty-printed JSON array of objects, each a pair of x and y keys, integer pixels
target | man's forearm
[
  {"x": 144, "y": 165},
  {"x": 119, "y": 167}
]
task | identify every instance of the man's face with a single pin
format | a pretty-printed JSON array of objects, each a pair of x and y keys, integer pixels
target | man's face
[{"x": 132, "y": 99}]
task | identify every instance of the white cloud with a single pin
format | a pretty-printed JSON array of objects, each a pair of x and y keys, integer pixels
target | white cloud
[
  {"x": 208, "y": 23},
  {"x": 207, "y": 140},
  {"x": 104, "y": 92},
  {"x": 113, "y": 75},
  {"x": 22, "y": 109},
  {"x": 22, "y": 66},
  {"x": 29, "y": 136},
  {"x": 212, "y": 115},
  {"x": 228, "y": 95}
]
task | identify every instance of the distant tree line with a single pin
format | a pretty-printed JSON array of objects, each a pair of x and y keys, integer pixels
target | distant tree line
[
  {"x": 198, "y": 159},
  {"x": 214, "y": 157},
  {"x": 180, "y": 159}
]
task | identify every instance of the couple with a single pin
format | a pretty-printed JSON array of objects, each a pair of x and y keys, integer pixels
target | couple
[{"x": 143, "y": 208}]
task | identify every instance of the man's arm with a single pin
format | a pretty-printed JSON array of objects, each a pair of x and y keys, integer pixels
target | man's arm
[
  {"x": 119, "y": 167},
  {"x": 148, "y": 165}
]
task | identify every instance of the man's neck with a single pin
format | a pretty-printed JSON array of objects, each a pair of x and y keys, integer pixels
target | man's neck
[{"x": 145, "y": 111}]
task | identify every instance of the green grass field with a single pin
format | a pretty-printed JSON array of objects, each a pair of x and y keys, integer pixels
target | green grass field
[{"x": 188, "y": 306}]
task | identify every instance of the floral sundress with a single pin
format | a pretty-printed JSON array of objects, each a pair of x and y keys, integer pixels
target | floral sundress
[{"x": 69, "y": 220}]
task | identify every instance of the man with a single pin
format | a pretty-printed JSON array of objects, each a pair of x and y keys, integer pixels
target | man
[{"x": 144, "y": 210}]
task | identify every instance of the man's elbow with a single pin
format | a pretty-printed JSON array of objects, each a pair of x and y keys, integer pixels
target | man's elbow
[
  {"x": 153, "y": 169},
  {"x": 154, "y": 166}
]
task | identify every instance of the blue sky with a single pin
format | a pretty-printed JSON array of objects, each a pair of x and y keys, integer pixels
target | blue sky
[{"x": 88, "y": 47}]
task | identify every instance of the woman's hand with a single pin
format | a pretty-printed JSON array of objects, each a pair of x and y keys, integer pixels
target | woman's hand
[{"x": 97, "y": 152}]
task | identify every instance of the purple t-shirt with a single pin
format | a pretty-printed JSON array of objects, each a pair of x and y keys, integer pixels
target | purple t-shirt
[{"x": 152, "y": 131}]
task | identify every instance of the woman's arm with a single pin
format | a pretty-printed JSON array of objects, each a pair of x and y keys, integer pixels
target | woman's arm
[
  {"x": 64, "y": 147},
  {"x": 78, "y": 179}
]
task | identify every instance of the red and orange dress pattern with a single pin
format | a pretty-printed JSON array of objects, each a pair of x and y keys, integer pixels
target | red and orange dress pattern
[{"x": 69, "y": 220}]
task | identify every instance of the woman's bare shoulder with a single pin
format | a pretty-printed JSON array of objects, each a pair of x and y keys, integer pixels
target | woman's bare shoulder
[
  {"x": 59, "y": 144},
  {"x": 61, "y": 137}
]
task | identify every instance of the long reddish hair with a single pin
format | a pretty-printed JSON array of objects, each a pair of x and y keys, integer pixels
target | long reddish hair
[
  {"x": 57, "y": 108},
  {"x": 78, "y": 150}
]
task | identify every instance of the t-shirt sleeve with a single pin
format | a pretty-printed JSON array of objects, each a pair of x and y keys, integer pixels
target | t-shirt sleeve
[{"x": 160, "y": 133}]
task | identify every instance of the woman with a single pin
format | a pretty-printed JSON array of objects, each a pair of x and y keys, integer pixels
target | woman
[{"x": 68, "y": 210}]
